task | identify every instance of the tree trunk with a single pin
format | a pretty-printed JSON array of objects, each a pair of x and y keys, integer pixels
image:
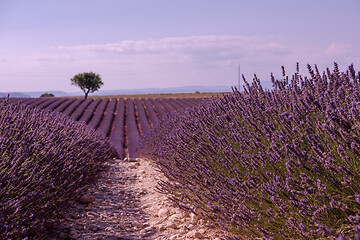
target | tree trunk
[{"x": 86, "y": 94}]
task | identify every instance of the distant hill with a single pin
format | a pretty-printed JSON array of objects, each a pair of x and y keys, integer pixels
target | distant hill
[
  {"x": 14, "y": 95},
  {"x": 185, "y": 89}
]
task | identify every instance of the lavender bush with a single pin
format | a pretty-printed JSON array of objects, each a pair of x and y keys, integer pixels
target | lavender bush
[
  {"x": 46, "y": 160},
  {"x": 279, "y": 164}
]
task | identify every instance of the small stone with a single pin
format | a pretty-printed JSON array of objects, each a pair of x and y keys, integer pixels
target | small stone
[
  {"x": 174, "y": 237},
  {"x": 171, "y": 225},
  {"x": 202, "y": 231},
  {"x": 74, "y": 234},
  {"x": 175, "y": 218},
  {"x": 162, "y": 228},
  {"x": 92, "y": 214},
  {"x": 149, "y": 229},
  {"x": 94, "y": 228},
  {"x": 163, "y": 213},
  {"x": 195, "y": 234},
  {"x": 193, "y": 217},
  {"x": 145, "y": 235},
  {"x": 138, "y": 225},
  {"x": 132, "y": 166},
  {"x": 186, "y": 214},
  {"x": 190, "y": 226},
  {"x": 70, "y": 219},
  {"x": 108, "y": 229},
  {"x": 86, "y": 199}
]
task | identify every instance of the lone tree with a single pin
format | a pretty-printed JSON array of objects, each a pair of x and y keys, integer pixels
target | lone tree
[{"x": 89, "y": 82}]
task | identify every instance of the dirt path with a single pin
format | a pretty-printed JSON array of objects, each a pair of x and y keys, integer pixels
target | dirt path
[{"x": 126, "y": 205}]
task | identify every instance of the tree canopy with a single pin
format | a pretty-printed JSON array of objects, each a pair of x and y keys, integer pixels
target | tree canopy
[
  {"x": 89, "y": 82},
  {"x": 47, "y": 95}
]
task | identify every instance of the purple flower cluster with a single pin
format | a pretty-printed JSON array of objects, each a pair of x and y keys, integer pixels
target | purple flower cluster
[
  {"x": 46, "y": 160},
  {"x": 270, "y": 164}
]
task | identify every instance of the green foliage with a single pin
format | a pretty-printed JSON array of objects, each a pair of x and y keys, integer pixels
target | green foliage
[
  {"x": 47, "y": 95},
  {"x": 89, "y": 82}
]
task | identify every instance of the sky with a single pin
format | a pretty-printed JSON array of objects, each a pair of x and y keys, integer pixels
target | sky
[{"x": 136, "y": 44}]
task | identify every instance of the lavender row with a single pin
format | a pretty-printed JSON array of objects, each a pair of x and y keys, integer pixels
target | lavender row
[
  {"x": 46, "y": 103},
  {"x": 47, "y": 160},
  {"x": 193, "y": 101},
  {"x": 165, "y": 105},
  {"x": 106, "y": 123},
  {"x": 153, "y": 117},
  {"x": 143, "y": 120},
  {"x": 22, "y": 100},
  {"x": 55, "y": 104},
  {"x": 175, "y": 104},
  {"x": 77, "y": 109},
  {"x": 98, "y": 114},
  {"x": 279, "y": 164},
  {"x": 71, "y": 108},
  {"x": 89, "y": 111},
  {"x": 38, "y": 102},
  {"x": 159, "y": 109},
  {"x": 186, "y": 103},
  {"x": 132, "y": 131},
  {"x": 117, "y": 135},
  {"x": 64, "y": 105}
]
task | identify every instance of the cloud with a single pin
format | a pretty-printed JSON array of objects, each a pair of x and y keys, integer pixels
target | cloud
[
  {"x": 337, "y": 49},
  {"x": 52, "y": 58},
  {"x": 193, "y": 47},
  {"x": 175, "y": 61}
]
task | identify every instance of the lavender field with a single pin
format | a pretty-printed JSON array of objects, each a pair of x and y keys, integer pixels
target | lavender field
[
  {"x": 48, "y": 159},
  {"x": 261, "y": 164},
  {"x": 122, "y": 121}
]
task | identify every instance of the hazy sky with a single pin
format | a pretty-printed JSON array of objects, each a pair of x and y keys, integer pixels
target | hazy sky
[{"x": 167, "y": 43}]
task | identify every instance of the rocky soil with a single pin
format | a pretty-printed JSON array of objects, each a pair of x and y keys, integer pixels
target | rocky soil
[{"x": 125, "y": 204}]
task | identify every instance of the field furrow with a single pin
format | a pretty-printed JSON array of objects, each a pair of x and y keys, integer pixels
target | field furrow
[
  {"x": 99, "y": 113},
  {"x": 142, "y": 118},
  {"x": 71, "y": 108},
  {"x": 123, "y": 121},
  {"x": 158, "y": 108},
  {"x": 64, "y": 105},
  {"x": 89, "y": 111},
  {"x": 153, "y": 117},
  {"x": 106, "y": 123}
]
